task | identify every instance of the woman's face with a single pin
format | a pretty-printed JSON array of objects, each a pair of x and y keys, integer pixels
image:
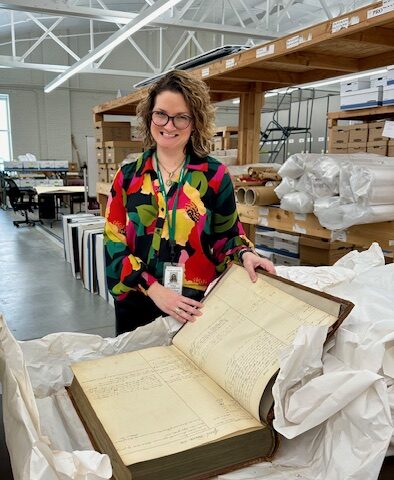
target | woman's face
[{"x": 168, "y": 136}]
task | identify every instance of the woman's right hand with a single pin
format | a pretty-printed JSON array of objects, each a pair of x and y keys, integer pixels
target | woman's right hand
[{"x": 181, "y": 308}]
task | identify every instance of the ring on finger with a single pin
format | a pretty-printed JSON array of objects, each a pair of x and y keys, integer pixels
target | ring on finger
[{"x": 177, "y": 310}]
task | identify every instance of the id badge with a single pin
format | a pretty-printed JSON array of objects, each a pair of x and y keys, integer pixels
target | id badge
[{"x": 173, "y": 277}]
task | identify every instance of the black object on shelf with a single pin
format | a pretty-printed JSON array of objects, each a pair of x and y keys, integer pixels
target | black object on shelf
[{"x": 201, "y": 59}]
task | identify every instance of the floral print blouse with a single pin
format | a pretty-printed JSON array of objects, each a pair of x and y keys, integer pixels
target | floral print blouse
[{"x": 208, "y": 233}]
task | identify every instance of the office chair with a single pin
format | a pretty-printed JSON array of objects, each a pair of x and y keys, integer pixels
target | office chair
[{"x": 20, "y": 203}]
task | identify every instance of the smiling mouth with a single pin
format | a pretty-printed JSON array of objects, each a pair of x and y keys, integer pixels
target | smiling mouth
[{"x": 168, "y": 135}]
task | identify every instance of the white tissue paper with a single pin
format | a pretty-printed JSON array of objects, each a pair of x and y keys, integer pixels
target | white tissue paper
[{"x": 334, "y": 402}]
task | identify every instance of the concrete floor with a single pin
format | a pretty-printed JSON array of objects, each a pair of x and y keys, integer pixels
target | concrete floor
[{"x": 39, "y": 295}]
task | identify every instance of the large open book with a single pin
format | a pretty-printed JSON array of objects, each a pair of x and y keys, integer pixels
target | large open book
[{"x": 199, "y": 407}]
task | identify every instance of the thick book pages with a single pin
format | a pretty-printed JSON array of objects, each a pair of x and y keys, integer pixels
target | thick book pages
[
  {"x": 245, "y": 325},
  {"x": 194, "y": 409}
]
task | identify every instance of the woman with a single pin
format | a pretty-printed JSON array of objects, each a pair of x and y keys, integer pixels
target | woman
[{"x": 172, "y": 214}]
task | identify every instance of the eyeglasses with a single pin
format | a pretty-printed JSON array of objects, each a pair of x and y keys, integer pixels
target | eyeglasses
[{"x": 161, "y": 119}]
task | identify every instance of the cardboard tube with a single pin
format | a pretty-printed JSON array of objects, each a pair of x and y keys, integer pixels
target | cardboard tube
[
  {"x": 261, "y": 196},
  {"x": 264, "y": 173},
  {"x": 241, "y": 195}
]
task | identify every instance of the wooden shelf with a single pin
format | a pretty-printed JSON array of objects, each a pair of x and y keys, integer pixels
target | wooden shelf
[
  {"x": 357, "y": 41},
  {"x": 314, "y": 53},
  {"x": 367, "y": 114},
  {"x": 308, "y": 224}
]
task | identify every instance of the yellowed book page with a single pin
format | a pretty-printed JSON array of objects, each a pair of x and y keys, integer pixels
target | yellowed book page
[
  {"x": 156, "y": 402},
  {"x": 243, "y": 328}
]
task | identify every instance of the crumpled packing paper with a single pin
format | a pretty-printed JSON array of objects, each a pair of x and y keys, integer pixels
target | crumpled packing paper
[{"x": 334, "y": 402}]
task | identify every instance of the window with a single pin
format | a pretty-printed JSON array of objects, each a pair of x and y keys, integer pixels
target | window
[{"x": 5, "y": 129}]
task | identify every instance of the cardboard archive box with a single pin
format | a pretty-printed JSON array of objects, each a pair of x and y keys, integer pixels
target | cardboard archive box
[
  {"x": 339, "y": 148},
  {"x": 366, "y": 98},
  {"x": 112, "y": 168},
  {"x": 340, "y": 135},
  {"x": 321, "y": 251},
  {"x": 390, "y": 148},
  {"x": 375, "y": 131},
  {"x": 116, "y": 152},
  {"x": 106, "y": 131},
  {"x": 100, "y": 152},
  {"x": 355, "y": 147},
  {"x": 355, "y": 85},
  {"x": 379, "y": 148},
  {"x": 72, "y": 167},
  {"x": 388, "y": 93},
  {"x": 102, "y": 173},
  {"x": 358, "y": 133}
]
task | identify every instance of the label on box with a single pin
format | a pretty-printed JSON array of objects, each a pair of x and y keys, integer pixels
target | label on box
[
  {"x": 263, "y": 51},
  {"x": 301, "y": 140},
  {"x": 300, "y": 216},
  {"x": 291, "y": 140},
  {"x": 320, "y": 139},
  {"x": 388, "y": 130},
  {"x": 263, "y": 221},
  {"x": 205, "y": 72},
  {"x": 391, "y": 243},
  {"x": 339, "y": 24},
  {"x": 230, "y": 63},
  {"x": 298, "y": 229}
]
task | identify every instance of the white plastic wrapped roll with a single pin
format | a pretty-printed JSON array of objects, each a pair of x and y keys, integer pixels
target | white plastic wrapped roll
[
  {"x": 298, "y": 202},
  {"x": 327, "y": 169},
  {"x": 367, "y": 185},
  {"x": 339, "y": 217},
  {"x": 295, "y": 165},
  {"x": 313, "y": 185},
  {"x": 287, "y": 185}
]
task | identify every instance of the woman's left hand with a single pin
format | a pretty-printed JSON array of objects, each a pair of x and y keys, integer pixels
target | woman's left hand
[{"x": 251, "y": 261}]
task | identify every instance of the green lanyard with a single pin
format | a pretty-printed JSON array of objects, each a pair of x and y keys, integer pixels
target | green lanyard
[{"x": 172, "y": 224}]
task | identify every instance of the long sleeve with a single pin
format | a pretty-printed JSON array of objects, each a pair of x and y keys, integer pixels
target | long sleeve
[
  {"x": 228, "y": 234},
  {"x": 124, "y": 270}
]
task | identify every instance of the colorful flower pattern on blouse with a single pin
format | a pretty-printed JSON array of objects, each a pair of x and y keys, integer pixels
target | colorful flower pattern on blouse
[{"x": 208, "y": 233}]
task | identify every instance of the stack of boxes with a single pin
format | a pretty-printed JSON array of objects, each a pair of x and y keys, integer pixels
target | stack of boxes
[
  {"x": 358, "y": 138},
  {"x": 388, "y": 90},
  {"x": 114, "y": 142},
  {"x": 281, "y": 248},
  {"x": 322, "y": 251},
  {"x": 362, "y": 137},
  {"x": 226, "y": 138},
  {"x": 359, "y": 94},
  {"x": 366, "y": 92}
]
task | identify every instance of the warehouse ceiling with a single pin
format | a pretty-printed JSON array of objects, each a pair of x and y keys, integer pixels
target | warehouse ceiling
[{"x": 189, "y": 28}]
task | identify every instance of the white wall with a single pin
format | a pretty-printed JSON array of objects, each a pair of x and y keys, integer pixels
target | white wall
[{"x": 43, "y": 123}]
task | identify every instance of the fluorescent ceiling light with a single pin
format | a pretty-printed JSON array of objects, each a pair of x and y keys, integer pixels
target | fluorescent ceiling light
[
  {"x": 146, "y": 17},
  {"x": 330, "y": 81}
]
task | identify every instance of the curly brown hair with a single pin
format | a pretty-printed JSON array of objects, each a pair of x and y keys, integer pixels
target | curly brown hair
[{"x": 196, "y": 95}]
